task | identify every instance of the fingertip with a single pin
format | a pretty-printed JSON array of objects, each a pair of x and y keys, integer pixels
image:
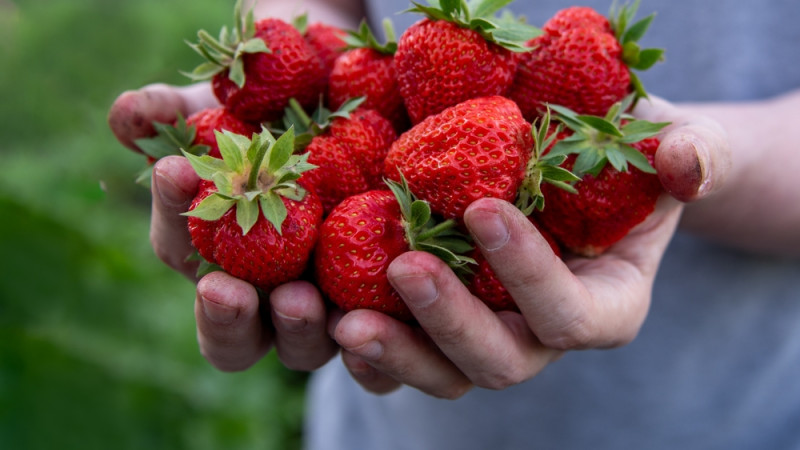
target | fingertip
[
  {"x": 692, "y": 161},
  {"x": 174, "y": 183}
]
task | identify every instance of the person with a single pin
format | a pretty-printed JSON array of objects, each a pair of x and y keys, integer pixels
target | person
[{"x": 696, "y": 331}]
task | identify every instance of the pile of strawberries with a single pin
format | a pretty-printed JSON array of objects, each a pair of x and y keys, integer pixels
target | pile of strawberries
[{"x": 332, "y": 153}]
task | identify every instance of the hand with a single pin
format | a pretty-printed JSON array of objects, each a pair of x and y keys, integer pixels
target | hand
[
  {"x": 235, "y": 328},
  {"x": 578, "y": 303}
]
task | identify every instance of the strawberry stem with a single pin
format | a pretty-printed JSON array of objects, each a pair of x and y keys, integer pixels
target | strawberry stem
[{"x": 435, "y": 230}]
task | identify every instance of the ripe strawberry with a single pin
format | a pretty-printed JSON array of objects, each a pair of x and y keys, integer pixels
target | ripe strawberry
[
  {"x": 251, "y": 217},
  {"x": 583, "y": 62},
  {"x": 456, "y": 53},
  {"x": 367, "y": 69},
  {"x": 365, "y": 233},
  {"x": 611, "y": 197},
  {"x": 348, "y": 147},
  {"x": 257, "y": 67},
  {"x": 327, "y": 40},
  {"x": 478, "y": 148}
]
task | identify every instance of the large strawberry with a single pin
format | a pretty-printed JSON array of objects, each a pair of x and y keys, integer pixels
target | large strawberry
[
  {"x": 365, "y": 233},
  {"x": 251, "y": 217},
  {"x": 367, "y": 69},
  {"x": 348, "y": 146},
  {"x": 327, "y": 40},
  {"x": 583, "y": 62},
  {"x": 458, "y": 52},
  {"x": 612, "y": 197},
  {"x": 477, "y": 148},
  {"x": 258, "y": 66}
]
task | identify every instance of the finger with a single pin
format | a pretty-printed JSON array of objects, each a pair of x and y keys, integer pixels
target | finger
[
  {"x": 694, "y": 156},
  {"x": 370, "y": 378},
  {"x": 229, "y": 326},
  {"x": 174, "y": 185},
  {"x": 398, "y": 353},
  {"x": 132, "y": 114},
  {"x": 599, "y": 302},
  {"x": 300, "y": 320},
  {"x": 491, "y": 353}
]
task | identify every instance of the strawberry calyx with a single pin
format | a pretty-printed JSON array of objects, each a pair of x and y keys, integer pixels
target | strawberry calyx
[
  {"x": 254, "y": 175},
  {"x": 225, "y": 52},
  {"x": 168, "y": 140},
  {"x": 309, "y": 126},
  {"x": 628, "y": 34},
  {"x": 426, "y": 233},
  {"x": 543, "y": 168},
  {"x": 600, "y": 140},
  {"x": 365, "y": 38},
  {"x": 481, "y": 16}
]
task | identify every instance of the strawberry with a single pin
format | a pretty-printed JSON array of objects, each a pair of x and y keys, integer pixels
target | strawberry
[
  {"x": 477, "y": 148},
  {"x": 611, "y": 197},
  {"x": 367, "y": 69},
  {"x": 365, "y": 233},
  {"x": 458, "y": 52},
  {"x": 257, "y": 67},
  {"x": 583, "y": 62},
  {"x": 348, "y": 147},
  {"x": 251, "y": 217},
  {"x": 327, "y": 40}
]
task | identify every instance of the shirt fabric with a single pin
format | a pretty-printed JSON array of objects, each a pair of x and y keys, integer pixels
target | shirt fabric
[{"x": 716, "y": 364}]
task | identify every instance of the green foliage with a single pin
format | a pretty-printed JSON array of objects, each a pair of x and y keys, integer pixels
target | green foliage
[{"x": 97, "y": 337}]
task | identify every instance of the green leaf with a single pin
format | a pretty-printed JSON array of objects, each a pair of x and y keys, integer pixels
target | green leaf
[
  {"x": 420, "y": 213},
  {"x": 211, "y": 208},
  {"x": 601, "y": 125},
  {"x": 648, "y": 58},
  {"x": 617, "y": 159},
  {"x": 246, "y": 214},
  {"x": 487, "y": 8},
  {"x": 637, "y": 30},
  {"x": 255, "y": 45},
  {"x": 230, "y": 149},
  {"x": 637, "y": 159},
  {"x": 205, "y": 166},
  {"x": 638, "y": 130},
  {"x": 281, "y": 151},
  {"x": 273, "y": 209}
]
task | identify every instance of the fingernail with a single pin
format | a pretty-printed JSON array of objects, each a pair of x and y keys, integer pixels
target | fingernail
[
  {"x": 417, "y": 290},
  {"x": 291, "y": 324},
  {"x": 169, "y": 194},
  {"x": 371, "y": 350},
  {"x": 489, "y": 229},
  {"x": 219, "y": 314}
]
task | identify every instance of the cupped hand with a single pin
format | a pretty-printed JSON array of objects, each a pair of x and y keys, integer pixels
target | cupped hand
[
  {"x": 575, "y": 303},
  {"x": 235, "y": 327}
]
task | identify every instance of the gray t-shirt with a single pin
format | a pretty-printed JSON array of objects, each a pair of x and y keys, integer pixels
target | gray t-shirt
[{"x": 717, "y": 362}]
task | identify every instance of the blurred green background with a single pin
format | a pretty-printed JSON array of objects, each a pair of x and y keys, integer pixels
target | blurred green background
[{"x": 97, "y": 339}]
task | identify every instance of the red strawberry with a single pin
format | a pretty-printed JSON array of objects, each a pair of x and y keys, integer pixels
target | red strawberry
[
  {"x": 326, "y": 40},
  {"x": 364, "y": 234},
  {"x": 456, "y": 53},
  {"x": 347, "y": 146},
  {"x": 257, "y": 67},
  {"x": 254, "y": 220},
  {"x": 611, "y": 197},
  {"x": 478, "y": 148},
  {"x": 209, "y": 120},
  {"x": 580, "y": 63},
  {"x": 367, "y": 70}
]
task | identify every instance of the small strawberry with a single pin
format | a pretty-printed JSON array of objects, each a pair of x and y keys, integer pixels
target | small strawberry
[
  {"x": 611, "y": 197},
  {"x": 458, "y": 52},
  {"x": 583, "y": 62},
  {"x": 251, "y": 217},
  {"x": 257, "y": 67},
  {"x": 348, "y": 147},
  {"x": 367, "y": 69},
  {"x": 365, "y": 233},
  {"x": 477, "y": 148}
]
